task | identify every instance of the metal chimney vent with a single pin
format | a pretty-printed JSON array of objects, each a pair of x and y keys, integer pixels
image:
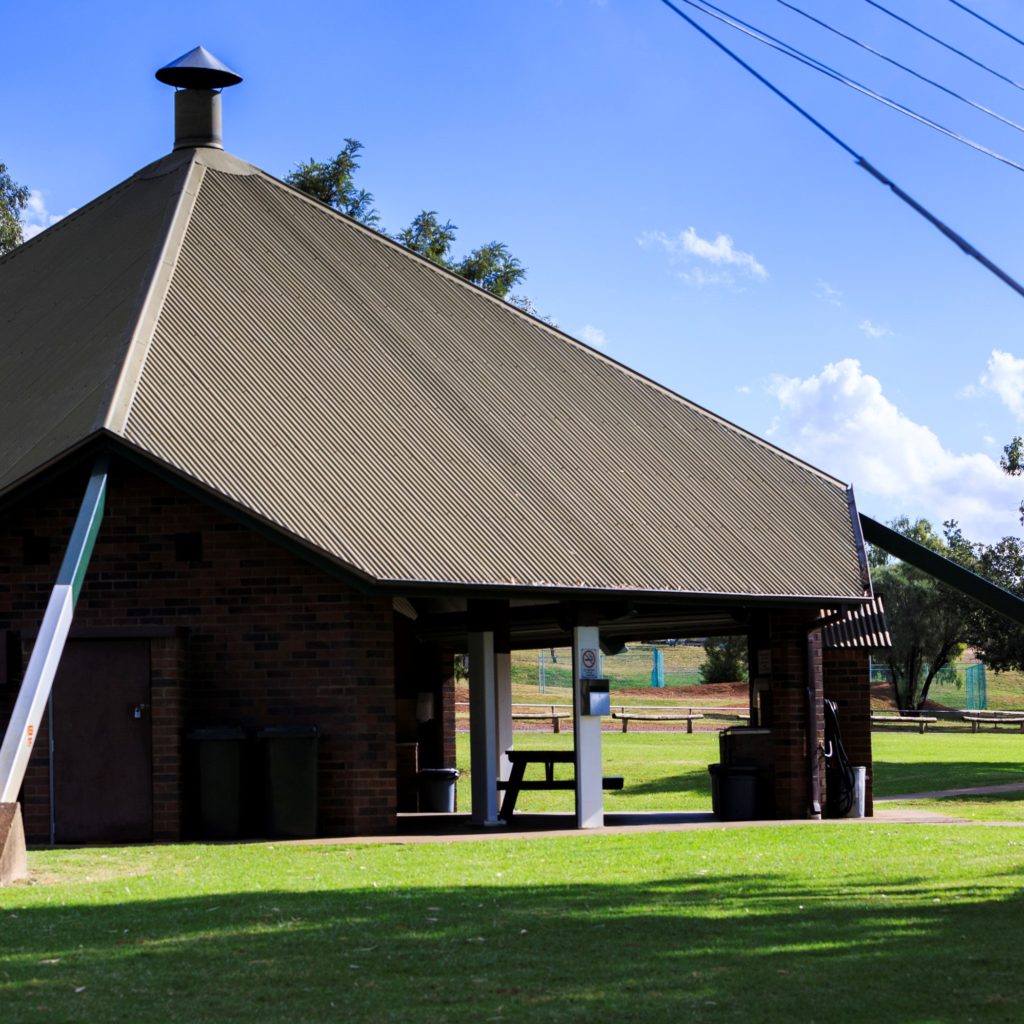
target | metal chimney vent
[{"x": 199, "y": 77}]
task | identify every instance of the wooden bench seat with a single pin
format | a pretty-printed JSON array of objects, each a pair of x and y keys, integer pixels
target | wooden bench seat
[
  {"x": 921, "y": 721},
  {"x": 627, "y": 718},
  {"x": 554, "y": 717},
  {"x": 993, "y": 720}
]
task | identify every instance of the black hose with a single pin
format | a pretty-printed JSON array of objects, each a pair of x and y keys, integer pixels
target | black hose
[{"x": 839, "y": 778}]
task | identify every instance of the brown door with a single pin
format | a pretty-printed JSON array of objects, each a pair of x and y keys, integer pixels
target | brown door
[{"x": 102, "y": 743}]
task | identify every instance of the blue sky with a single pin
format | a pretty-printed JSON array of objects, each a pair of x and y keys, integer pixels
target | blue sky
[{"x": 670, "y": 210}]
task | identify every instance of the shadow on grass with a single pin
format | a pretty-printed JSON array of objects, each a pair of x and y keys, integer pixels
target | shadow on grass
[
  {"x": 893, "y": 777},
  {"x": 706, "y": 948}
]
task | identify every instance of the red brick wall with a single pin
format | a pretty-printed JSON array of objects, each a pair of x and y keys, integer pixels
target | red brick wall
[
  {"x": 846, "y": 681},
  {"x": 267, "y": 639},
  {"x": 783, "y": 635}
]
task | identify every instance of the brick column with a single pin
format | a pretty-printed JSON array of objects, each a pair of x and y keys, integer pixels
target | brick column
[{"x": 847, "y": 681}]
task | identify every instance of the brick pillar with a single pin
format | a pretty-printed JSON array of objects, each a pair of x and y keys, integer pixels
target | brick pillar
[
  {"x": 167, "y": 681},
  {"x": 847, "y": 681},
  {"x": 785, "y": 660}
]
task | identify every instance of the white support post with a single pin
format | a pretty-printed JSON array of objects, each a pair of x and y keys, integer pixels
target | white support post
[
  {"x": 23, "y": 727},
  {"x": 503, "y": 680},
  {"x": 483, "y": 728},
  {"x": 586, "y": 664}
]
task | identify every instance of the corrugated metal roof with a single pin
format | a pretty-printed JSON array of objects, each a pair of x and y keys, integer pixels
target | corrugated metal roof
[
  {"x": 69, "y": 304},
  {"x": 416, "y": 429},
  {"x": 864, "y": 626}
]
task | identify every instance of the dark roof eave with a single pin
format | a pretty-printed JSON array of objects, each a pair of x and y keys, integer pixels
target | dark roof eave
[{"x": 943, "y": 569}]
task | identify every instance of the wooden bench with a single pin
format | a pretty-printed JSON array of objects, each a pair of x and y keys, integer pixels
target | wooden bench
[
  {"x": 627, "y": 718},
  {"x": 921, "y": 721},
  {"x": 554, "y": 717},
  {"x": 994, "y": 720},
  {"x": 549, "y": 758}
]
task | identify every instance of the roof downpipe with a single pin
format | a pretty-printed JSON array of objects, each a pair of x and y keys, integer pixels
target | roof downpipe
[{"x": 198, "y": 77}]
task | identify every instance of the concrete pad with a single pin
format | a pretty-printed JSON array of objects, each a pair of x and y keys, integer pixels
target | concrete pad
[{"x": 13, "y": 859}]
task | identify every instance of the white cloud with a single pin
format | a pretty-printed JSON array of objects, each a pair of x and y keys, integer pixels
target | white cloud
[
  {"x": 593, "y": 336},
  {"x": 874, "y": 330},
  {"x": 1004, "y": 375},
  {"x": 824, "y": 291},
  {"x": 744, "y": 389},
  {"x": 721, "y": 252},
  {"x": 36, "y": 217},
  {"x": 841, "y": 421}
]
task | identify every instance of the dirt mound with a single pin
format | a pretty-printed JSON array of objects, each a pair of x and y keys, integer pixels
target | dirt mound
[{"x": 706, "y": 693}]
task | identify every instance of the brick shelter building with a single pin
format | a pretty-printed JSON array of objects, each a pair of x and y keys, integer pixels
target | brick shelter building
[{"x": 328, "y": 465}]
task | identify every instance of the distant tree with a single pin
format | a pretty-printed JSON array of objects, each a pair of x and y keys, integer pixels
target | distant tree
[
  {"x": 13, "y": 198},
  {"x": 429, "y": 237},
  {"x": 1013, "y": 463},
  {"x": 998, "y": 641},
  {"x": 331, "y": 182},
  {"x": 929, "y": 622},
  {"x": 725, "y": 660},
  {"x": 491, "y": 266}
]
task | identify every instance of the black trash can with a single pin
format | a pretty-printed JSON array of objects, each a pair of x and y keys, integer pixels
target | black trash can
[
  {"x": 214, "y": 773},
  {"x": 734, "y": 791},
  {"x": 288, "y": 769},
  {"x": 437, "y": 789}
]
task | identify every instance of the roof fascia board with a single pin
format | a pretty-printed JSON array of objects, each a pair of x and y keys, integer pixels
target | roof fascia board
[
  {"x": 943, "y": 569},
  {"x": 138, "y": 347}
]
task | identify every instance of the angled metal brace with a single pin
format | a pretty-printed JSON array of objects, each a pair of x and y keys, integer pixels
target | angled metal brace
[{"x": 49, "y": 646}]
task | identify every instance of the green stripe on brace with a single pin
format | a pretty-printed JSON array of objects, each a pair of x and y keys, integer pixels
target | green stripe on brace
[{"x": 83, "y": 536}]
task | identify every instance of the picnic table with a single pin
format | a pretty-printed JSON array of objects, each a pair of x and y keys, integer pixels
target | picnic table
[
  {"x": 516, "y": 783},
  {"x": 921, "y": 721}
]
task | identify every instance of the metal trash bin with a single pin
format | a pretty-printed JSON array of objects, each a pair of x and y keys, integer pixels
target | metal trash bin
[
  {"x": 288, "y": 773},
  {"x": 214, "y": 770},
  {"x": 437, "y": 789},
  {"x": 734, "y": 791}
]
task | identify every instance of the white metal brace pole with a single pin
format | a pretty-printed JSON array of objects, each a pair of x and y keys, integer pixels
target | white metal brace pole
[{"x": 49, "y": 646}]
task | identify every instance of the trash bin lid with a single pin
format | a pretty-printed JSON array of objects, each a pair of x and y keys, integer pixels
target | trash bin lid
[
  {"x": 438, "y": 773},
  {"x": 219, "y": 732},
  {"x": 288, "y": 732}
]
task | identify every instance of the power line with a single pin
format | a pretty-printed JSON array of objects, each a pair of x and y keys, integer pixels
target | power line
[
  {"x": 943, "y": 43},
  {"x": 956, "y": 239},
  {"x": 991, "y": 24},
  {"x": 708, "y": 8},
  {"x": 902, "y": 67}
]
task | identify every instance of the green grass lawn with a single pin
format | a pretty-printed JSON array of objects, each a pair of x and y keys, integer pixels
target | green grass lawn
[
  {"x": 842, "y": 922},
  {"x": 822, "y": 923}
]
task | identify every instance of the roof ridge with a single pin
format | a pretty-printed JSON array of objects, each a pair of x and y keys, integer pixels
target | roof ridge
[
  {"x": 134, "y": 359},
  {"x": 550, "y": 328}
]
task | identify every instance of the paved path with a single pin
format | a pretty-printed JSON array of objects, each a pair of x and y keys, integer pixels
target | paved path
[{"x": 941, "y": 794}]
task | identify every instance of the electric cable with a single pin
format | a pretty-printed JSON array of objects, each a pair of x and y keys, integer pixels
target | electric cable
[
  {"x": 943, "y": 43},
  {"x": 991, "y": 24},
  {"x": 952, "y": 235},
  {"x": 708, "y": 8},
  {"x": 903, "y": 67}
]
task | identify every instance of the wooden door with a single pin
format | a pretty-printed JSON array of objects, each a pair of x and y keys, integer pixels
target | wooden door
[{"x": 102, "y": 765}]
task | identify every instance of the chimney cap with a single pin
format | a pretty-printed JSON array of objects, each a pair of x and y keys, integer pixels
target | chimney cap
[{"x": 198, "y": 69}]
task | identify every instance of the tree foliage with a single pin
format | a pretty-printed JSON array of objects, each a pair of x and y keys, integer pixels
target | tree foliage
[
  {"x": 331, "y": 181},
  {"x": 929, "y": 622},
  {"x": 1013, "y": 463},
  {"x": 725, "y": 660},
  {"x": 13, "y": 198},
  {"x": 490, "y": 266}
]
